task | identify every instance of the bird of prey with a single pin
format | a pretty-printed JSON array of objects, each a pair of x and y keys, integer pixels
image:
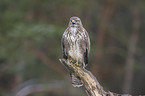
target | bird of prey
[{"x": 76, "y": 46}]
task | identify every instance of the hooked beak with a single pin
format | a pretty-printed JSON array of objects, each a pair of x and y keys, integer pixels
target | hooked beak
[{"x": 73, "y": 21}]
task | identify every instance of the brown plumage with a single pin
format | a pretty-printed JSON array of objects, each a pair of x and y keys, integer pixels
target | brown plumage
[{"x": 76, "y": 46}]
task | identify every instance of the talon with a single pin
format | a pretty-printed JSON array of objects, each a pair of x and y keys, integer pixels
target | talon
[
  {"x": 71, "y": 61},
  {"x": 78, "y": 65}
]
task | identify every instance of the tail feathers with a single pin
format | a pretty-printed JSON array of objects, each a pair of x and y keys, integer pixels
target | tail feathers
[{"x": 75, "y": 81}]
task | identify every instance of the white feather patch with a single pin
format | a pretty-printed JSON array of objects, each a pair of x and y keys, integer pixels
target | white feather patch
[{"x": 75, "y": 51}]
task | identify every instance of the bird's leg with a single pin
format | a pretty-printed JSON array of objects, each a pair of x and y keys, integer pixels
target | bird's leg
[
  {"x": 77, "y": 64},
  {"x": 70, "y": 60}
]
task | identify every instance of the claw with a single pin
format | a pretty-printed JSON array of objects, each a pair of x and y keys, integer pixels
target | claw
[
  {"x": 78, "y": 65},
  {"x": 71, "y": 61}
]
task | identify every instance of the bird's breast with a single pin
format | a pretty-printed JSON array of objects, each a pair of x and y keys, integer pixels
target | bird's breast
[
  {"x": 74, "y": 39},
  {"x": 75, "y": 51}
]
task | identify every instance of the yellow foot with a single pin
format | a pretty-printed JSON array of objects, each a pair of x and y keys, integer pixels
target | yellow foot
[
  {"x": 78, "y": 65},
  {"x": 71, "y": 61}
]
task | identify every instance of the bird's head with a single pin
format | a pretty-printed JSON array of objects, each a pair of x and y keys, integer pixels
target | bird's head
[{"x": 75, "y": 21}]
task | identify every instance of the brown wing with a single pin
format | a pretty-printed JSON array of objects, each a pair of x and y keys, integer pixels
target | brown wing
[
  {"x": 87, "y": 48},
  {"x": 64, "y": 44}
]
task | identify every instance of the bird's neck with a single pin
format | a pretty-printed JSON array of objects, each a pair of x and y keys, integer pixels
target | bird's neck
[{"x": 73, "y": 30}]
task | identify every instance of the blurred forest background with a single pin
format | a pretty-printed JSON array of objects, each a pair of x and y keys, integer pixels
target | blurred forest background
[{"x": 30, "y": 45}]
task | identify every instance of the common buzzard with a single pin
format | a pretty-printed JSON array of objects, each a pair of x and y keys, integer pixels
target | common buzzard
[{"x": 76, "y": 46}]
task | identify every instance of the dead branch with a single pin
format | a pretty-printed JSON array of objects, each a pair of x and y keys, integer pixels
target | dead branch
[{"x": 93, "y": 88}]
